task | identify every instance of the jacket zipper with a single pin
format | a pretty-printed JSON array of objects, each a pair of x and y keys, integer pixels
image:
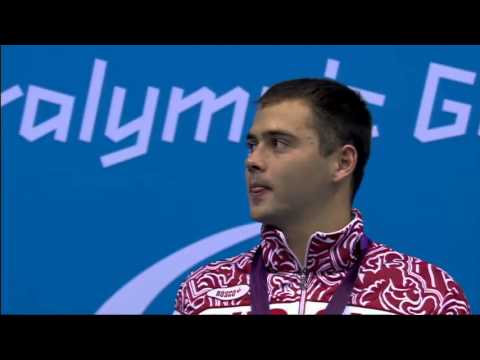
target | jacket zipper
[
  {"x": 303, "y": 274},
  {"x": 303, "y": 287}
]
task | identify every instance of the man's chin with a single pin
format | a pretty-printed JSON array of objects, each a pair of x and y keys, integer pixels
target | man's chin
[{"x": 261, "y": 215}]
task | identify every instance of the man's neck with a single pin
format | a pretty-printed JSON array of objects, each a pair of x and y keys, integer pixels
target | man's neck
[{"x": 327, "y": 220}]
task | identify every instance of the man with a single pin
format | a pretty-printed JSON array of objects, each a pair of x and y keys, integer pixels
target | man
[{"x": 308, "y": 148}]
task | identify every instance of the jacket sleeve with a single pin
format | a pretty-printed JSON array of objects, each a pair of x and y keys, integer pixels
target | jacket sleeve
[{"x": 180, "y": 300}]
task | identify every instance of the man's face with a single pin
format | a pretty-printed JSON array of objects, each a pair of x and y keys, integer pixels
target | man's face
[{"x": 287, "y": 176}]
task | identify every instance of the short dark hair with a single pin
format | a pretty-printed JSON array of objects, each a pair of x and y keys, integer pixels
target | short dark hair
[{"x": 341, "y": 116}]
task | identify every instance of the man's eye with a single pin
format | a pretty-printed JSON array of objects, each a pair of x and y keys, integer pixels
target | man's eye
[
  {"x": 279, "y": 144},
  {"x": 251, "y": 146}
]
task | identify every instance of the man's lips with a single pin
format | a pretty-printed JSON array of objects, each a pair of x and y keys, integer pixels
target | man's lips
[
  {"x": 257, "y": 191},
  {"x": 258, "y": 187}
]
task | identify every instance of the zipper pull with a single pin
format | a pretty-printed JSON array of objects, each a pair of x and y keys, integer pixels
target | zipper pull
[{"x": 303, "y": 280}]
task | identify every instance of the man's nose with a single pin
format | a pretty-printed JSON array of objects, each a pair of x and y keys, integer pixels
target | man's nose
[{"x": 255, "y": 161}]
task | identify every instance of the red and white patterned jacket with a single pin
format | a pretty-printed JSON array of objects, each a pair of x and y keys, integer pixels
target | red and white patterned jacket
[{"x": 388, "y": 282}]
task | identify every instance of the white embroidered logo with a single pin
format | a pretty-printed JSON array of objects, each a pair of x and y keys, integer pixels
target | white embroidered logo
[{"x": 229, "y": 293}]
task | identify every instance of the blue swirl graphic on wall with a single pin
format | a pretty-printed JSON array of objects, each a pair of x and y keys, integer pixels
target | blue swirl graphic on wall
[{"x": 136, "y": 295}]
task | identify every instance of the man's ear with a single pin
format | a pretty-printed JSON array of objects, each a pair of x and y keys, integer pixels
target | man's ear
[{"x": 345, "y": 162}]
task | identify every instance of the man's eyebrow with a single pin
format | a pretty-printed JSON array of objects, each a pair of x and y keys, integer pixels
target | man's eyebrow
[{"x": 271, "y": 133}]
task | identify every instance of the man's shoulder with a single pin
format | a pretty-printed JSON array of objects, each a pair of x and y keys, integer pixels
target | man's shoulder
[
  {"x": 393, "y": 259},
  {"x": 406, "y": 273},
  {"x": 194, "y": 294},
  {"x": 239, "y": 263}
]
